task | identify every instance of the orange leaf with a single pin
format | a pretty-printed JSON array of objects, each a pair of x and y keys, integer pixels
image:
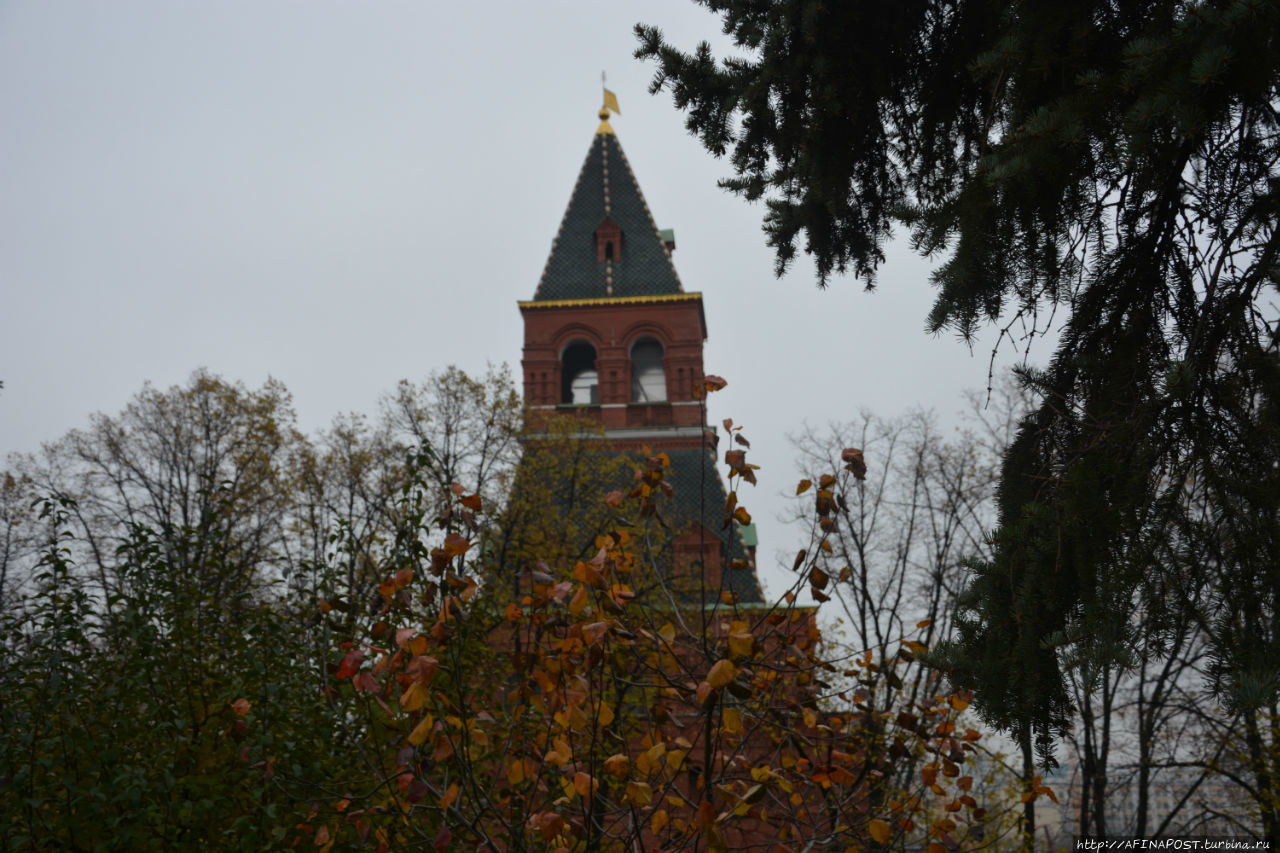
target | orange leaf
[
  {"x": 472, "y": 502},
  {"x": 579, "y": 601},
  {"x": 706, "y": 816},
  {"x": 449, "y": 796},
  {"x": 879, "y": 831},
  {"x": 713, "y": 383},
  {"x": 594, "y": 632},
  {"x": 584, "y": 784},
  {"x": 614, "y": 499},
  {"x": 550, "y": 825},
  {"x": 804, "y": 486},
  {"x": 456, "y": 545},
  {"x": 240, "y": 706},
  {"x": 742, "y": 516}
]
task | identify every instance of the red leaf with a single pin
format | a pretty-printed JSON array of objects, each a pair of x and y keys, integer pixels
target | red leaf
[
  {"x": 350, "y": 664},
  {"x": 366, "y": 681},
  {"x": 852, "y": 457},
  {"x": 442, "y": 839}
]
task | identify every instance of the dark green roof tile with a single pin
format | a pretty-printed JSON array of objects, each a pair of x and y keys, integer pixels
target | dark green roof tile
[
  {"x": 643, "y": 265},
  {"x": 698, "y": 493}
]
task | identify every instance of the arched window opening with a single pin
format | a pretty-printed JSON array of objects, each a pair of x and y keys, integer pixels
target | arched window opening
[
  {"x": 580, "y": 384},
  {"x": 648, "y": 378}
]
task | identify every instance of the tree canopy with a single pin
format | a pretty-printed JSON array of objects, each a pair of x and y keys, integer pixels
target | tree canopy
[{"x": 1109, "y": 171}]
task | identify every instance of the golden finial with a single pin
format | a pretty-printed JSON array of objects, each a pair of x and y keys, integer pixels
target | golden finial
[{"x": 610, "y": 106}]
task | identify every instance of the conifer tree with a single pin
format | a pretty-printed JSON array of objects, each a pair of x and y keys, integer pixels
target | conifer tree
[{"x": 1113, "y": 164}]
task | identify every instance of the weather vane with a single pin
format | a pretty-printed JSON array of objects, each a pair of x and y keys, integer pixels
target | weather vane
[{"x": 610, "y": 106}]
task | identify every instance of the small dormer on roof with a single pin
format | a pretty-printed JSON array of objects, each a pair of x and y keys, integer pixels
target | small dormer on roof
[
  {"x": 608, "y": 244},
  {"x": 608, "y": 241}
]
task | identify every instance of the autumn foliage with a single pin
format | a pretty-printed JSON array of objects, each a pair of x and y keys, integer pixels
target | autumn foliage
[{"x": 480, "y": 696}]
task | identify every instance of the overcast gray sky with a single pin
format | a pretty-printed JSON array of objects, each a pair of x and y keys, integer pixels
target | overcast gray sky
[{"x": 341, "y": 195}]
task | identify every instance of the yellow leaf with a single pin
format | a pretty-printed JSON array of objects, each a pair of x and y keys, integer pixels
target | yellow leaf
[
  {"x": 412, "y": 699},
  {"x": 659, "y": 821},
  {"x": 639, "y": 794},
  {"x": 515, "y": 772},
  {"x": 668, "y": 633},
  {"x": 721, "y": 673},
  {"x": 421, "y": 731},
  {"x": 617, "y": 766},
  {"x": 803, "y": 486},
  {"x": 879, "y": 831},
  {"x": 732, "y": 721}
]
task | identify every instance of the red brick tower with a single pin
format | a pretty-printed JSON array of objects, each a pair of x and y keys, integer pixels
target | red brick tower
[{"x": 611, "y": 335}]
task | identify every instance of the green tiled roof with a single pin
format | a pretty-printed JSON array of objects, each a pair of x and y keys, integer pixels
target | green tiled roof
[
  {"x": 606, "y": 188},
  {"x": 699, "y": 493}
]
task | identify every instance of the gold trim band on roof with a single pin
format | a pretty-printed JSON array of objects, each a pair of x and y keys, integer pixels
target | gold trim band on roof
[{"x": 611, "y": 300}]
